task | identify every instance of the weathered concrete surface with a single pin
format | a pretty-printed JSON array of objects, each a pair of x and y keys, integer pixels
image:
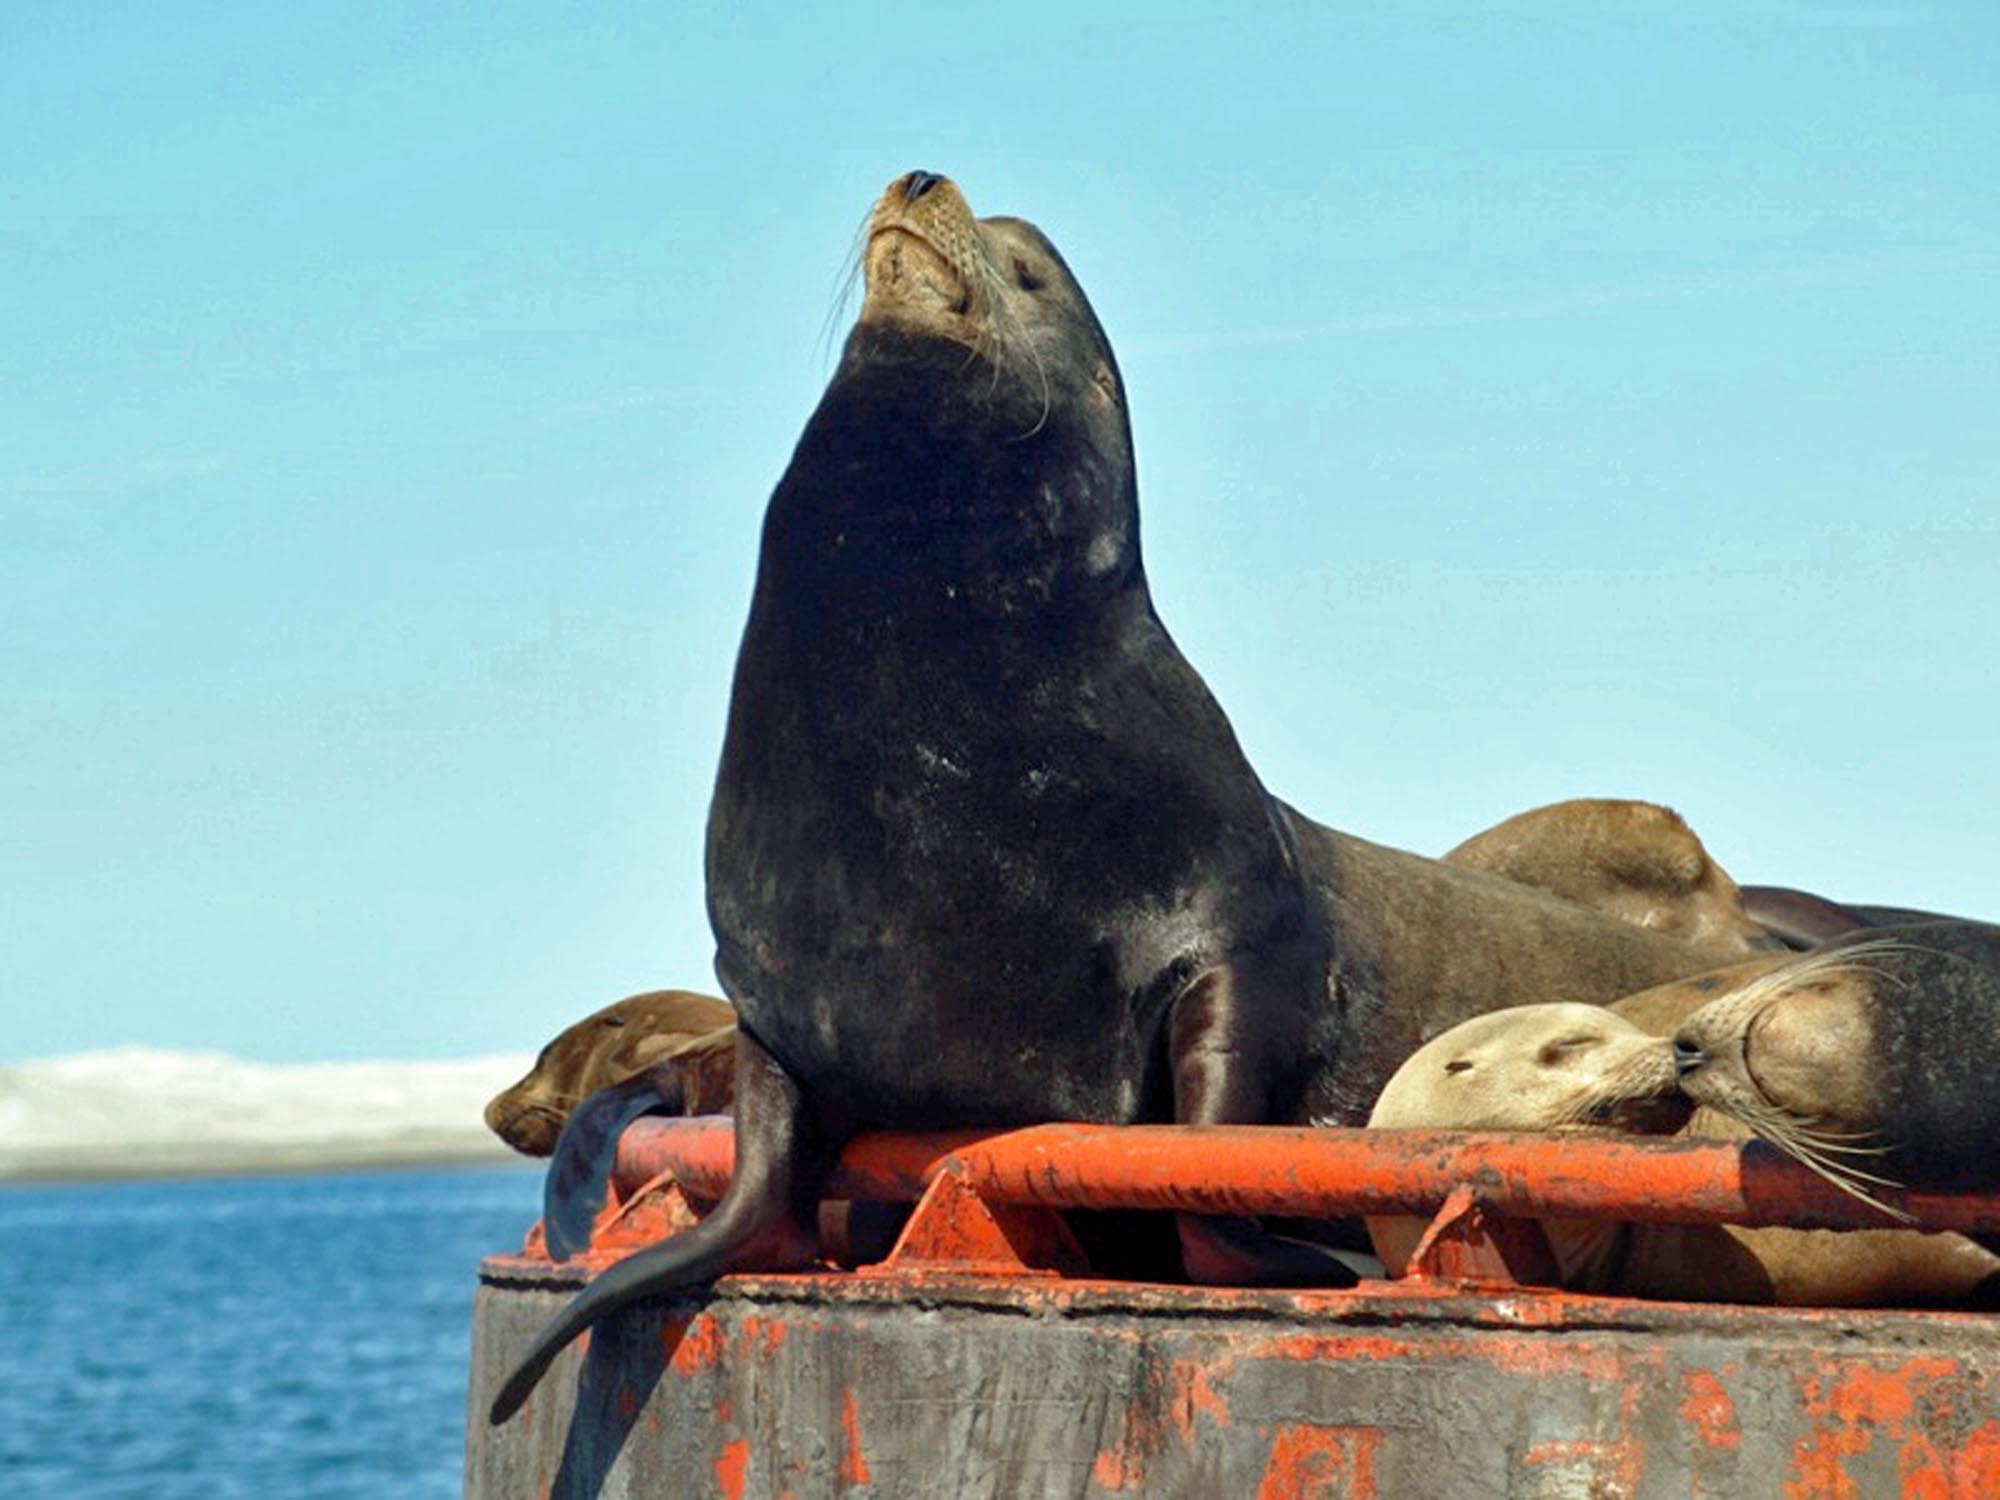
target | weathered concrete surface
[{"x": 901, "y": 1386}]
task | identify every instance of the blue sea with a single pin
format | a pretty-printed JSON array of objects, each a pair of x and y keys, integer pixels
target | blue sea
[{"x": 283, "y": 1338}]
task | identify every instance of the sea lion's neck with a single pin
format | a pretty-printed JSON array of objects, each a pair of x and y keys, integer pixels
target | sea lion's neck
[{"x": 911, "y": 491}]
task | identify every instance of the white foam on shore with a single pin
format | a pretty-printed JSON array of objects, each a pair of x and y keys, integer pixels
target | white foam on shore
[{"x": 145, "y": 1110}]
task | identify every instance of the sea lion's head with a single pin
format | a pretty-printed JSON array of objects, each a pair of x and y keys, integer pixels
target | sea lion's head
[
  {"x": 995, "y": 289},
  {"x": 606, "y": 1047},
  {"x": 1797, "y": 1055},
  {"x": 1637, "y": 861},
  {"x": 1566, "y": 1067},
  {"x": 975, "y": 431}
]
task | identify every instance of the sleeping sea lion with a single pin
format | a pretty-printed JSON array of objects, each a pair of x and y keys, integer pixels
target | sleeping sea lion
[
  {"x": 1872, "y": 1059},
  {"x": 606, "y": 1047},
  {"x": 1636, "y": 860},
  {"x": 983, "y": 850},
  {"x": 691, "y": 1076},
  {"x": 1582, "y": 1069}
]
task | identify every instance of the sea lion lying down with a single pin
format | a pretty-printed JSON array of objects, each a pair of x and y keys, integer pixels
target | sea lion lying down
[
  {"x": 1884, "y": 1044},
  {"x": 612, "y": 1046},
  {"x": 1637, "y": 861}
]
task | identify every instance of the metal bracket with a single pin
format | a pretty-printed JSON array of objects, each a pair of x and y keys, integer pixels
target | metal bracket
[{"x": 1465, "y": 1242}]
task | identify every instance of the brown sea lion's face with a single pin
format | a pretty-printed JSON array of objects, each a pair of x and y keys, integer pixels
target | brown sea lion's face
[
  {"x": 606, "y": 1047},
  {"x": 1538, "y": 1067},
  {"x": 1569, "y": 1068},
  {"x": 1795, "y": 1056}
]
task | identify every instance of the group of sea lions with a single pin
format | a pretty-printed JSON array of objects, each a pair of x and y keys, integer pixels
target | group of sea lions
[
  {"x": 983, "y": 849},
  {"x": 1870, "y": 1059}
]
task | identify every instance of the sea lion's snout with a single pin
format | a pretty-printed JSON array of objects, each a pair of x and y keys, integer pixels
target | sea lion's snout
[
  {"x": 1688, "y": 1056},
  {"x": 924, "y": 264}
]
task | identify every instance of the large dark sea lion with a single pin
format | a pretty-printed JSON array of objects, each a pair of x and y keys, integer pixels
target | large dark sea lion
[
  {"x": 983, "y": 849},
  {"x": 608, "y": 1046},
  {"x": 1638, "y": 861},
  {"x": 1582, "y": 1069}
]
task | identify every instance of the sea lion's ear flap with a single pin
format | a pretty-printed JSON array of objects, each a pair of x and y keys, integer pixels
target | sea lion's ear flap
[{"x": 580, "y": 1169}]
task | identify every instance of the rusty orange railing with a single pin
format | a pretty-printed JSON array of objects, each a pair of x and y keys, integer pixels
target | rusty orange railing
[{"x": 984, "y": 1198}]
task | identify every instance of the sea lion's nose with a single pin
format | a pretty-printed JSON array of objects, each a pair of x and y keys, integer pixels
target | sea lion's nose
[
  {"x": 919, "y": 183},
  {"x": 1687, "y": 1057}
]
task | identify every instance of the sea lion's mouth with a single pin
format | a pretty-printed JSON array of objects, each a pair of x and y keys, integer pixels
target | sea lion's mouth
[
  {"x": 924, "y": 263},
  {"x": 901, "y": 265},
  {"x": 1650, "y": 1114},
  {"x": 530, "y": 1127}
]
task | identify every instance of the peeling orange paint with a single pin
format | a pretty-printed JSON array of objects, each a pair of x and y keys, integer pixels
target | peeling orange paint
[
  {"x": 700, "y": 1347},
  {"x": 732, "y": 1468},
  {"x": 1881, "y": 1398},
  {"x": 1972, "y": 1473},
  {"x": 1709, "y": 1411},
  {"x": 1321, "y": 1463},
  {"x": 1110, "y": 1472},
  {"x": 763, "y": 1336},
  {"x": 853, "y": 1464},
  {"x": 1847, "y": 1415},
  {"x": 1192, "y": 1393},
  {"x": 1314, "y": 1347}
]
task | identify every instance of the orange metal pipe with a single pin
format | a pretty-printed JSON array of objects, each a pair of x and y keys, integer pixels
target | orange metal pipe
[{"x": 1311, "y": 1173}]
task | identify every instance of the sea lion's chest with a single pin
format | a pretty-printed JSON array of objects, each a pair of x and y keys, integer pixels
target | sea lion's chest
[{"x": 972, "y": 886}]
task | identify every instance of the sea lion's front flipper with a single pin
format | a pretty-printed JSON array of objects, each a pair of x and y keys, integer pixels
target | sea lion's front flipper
[
  {"x": 573, "y": 1191},
  {"x": 1226, "y": 1061},
  {"x": 765, "y": 1222}
]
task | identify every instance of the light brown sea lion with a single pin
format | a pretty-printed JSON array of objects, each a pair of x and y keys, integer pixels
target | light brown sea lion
[
  {"x": 1872, "y": 1059},
  {"x": 1582, "y": 1069},
  {"x": 607, "y": 1047},
  {"x": 1637, "y": 861}
]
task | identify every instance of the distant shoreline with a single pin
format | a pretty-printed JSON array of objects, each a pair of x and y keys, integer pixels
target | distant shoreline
[{"x": 261, "y": 1164}]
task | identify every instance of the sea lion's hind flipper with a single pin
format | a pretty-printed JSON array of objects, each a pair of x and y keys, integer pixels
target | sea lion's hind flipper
[
  {"x": 765, "y": 1222},
  {"x": 1224, "y": 1061},
  {"x": 579, "y": 1168},
  {"x": 1799, "y": 919}
]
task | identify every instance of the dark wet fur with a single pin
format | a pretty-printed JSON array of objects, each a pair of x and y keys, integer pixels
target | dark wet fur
[{"x": 984, "y": 850}]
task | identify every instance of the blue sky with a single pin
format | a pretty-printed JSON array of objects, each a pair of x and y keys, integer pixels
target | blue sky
[{"x": 1531, "y": 400}]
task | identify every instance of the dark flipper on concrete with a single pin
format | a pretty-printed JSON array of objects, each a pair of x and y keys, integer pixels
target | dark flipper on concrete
[{"x": 765, "y": 1222}]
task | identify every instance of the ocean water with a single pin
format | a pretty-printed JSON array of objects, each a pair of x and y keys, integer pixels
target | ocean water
[{"x": 284, "y": 1338}]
